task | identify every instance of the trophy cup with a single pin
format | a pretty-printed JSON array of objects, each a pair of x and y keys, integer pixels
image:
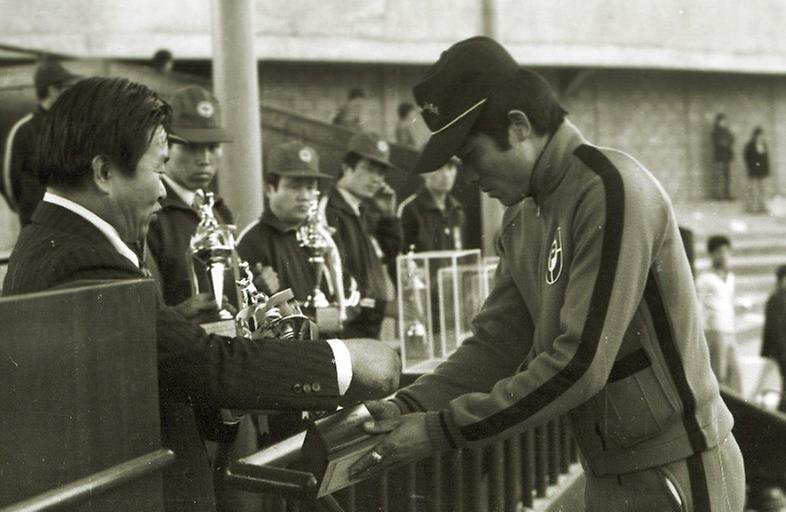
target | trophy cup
[
  {"x": 278, "y": 316},
  {"x": 414, "y": 331},
  {"x": 315, "y": 236},
  {"x": 212, "y": 251},
  {"x": 312, "y": 237}
]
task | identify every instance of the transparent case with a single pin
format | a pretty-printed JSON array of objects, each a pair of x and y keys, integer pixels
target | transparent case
[{"x": 439, "y": 292}]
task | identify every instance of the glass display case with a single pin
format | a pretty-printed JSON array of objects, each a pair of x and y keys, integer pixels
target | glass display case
[{"x": 438, "y": 294}]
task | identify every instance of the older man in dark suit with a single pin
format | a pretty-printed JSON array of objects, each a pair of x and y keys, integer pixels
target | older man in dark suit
[{"x": 103, "y": 148}]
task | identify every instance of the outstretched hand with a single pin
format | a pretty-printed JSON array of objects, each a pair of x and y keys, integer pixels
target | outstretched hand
[{"x": 406, "y": 440}]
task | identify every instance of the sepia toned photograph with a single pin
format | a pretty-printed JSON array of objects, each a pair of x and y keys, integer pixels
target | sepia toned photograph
[{"x": 392, "y": 256}]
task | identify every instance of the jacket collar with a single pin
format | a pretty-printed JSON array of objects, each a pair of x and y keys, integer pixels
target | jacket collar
[
  {"x": 269, "y": 218},
  {"x": 62, "y": 219},
  {"x": 173, "y": 200},
  {"x": 336, "y": 200},
  {"x": 426, "y": 200},
  {"x": 552, "y": 164}
]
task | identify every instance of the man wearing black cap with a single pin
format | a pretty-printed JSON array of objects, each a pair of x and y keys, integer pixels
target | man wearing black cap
[
  {"x": 362, "y": 209},
  {"x": 193, "y": 162},
  {"x": 21, "y": 185},
  {"x": 593, "y": 313},
  {"x": 292, "y": 180}
]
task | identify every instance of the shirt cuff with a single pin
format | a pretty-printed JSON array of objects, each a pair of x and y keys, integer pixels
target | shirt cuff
[{"x": 343, "y": 364}]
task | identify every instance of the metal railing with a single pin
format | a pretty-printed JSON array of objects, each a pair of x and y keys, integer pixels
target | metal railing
[
  {"x": 91, "y": 486},
  {"x": 503, "y": 476}
]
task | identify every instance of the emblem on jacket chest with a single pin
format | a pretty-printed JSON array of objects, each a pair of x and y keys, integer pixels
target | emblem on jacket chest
[{"x": 554, "y": 261}]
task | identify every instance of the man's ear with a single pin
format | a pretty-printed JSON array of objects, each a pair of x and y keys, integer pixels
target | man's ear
[
  {"x": 268, "y": 188},
  {"x": 102, "y": 173},
  {"x": 520, "y": 127}
]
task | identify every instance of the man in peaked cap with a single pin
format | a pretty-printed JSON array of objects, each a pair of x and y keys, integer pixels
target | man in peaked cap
[
  {"x": 292, "y": 180},
  {"x": 362, "y": 209},
  {"x": 194, "y": 158},
  {"x": 593, "y": 314},
  {"x": 20, "y": 184}
]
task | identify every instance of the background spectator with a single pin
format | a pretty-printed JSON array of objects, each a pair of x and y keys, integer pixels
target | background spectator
[
  {"x": 353, "y": 113},
  {"x": 757, "y": 164},
  {"x": 722, "y": 155},
  {"x": 163, "y": 61},
  {"x": 715, "y": 288},
  {"x": 22, "y": 187},
  {"x": 432, "y": 218},
  {"x": 405, "y": 127},
  {"x": 774, "y": 335}
]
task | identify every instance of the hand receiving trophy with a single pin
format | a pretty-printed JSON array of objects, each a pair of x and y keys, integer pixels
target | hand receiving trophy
[{"x": 212, "y": 251}]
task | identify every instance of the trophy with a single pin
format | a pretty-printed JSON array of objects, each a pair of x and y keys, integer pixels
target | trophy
[
  {"x": 315, "y": 236},
  {"x": 212, "y": 251},
  {"x": 278, "y": 316},
  {"x": 311, "y": 235},
  {"x": 414, "y": 285}
]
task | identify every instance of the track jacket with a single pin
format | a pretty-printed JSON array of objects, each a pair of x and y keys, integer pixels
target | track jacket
[{"x": 593, "y": 314}]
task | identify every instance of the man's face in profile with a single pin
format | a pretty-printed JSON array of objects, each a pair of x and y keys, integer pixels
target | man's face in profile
[{"x": 135, "y": 198}]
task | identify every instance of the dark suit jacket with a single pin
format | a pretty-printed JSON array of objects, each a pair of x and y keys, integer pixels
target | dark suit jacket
[{"x": 60, "y": 247}]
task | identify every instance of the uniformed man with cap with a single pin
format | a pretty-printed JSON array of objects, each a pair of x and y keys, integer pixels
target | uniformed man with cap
[
  {"x": 362, "y": 209},
  {"x": 593, "y": 314},
  {"x": 292, "y": 180},
  {"x": 194, "y": 159},
  {"x": 21, "y": 185}
]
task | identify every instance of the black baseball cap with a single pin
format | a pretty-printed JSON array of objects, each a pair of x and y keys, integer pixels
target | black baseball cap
[
  {"x": 453, "y": 93},
  {"x": 371, "y": 146},
  {"x": 196, "y": 117},
  {"x": 295, "y": 160}
]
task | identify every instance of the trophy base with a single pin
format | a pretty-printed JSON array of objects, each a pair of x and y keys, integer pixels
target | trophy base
[
  {"x": 328, "y": 319},
  {"x": 225, "y": 315}
]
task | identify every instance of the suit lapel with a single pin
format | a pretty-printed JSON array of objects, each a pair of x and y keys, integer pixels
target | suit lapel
[{"x": 64, "y": 220}]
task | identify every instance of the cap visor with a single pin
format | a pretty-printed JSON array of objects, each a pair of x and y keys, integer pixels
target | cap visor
[
  {"x": 441, "y": 146},
  {"x": 202, "y": 135},
  {"x": 303, "y": 174},
  {"x": 376, "y": 159}
]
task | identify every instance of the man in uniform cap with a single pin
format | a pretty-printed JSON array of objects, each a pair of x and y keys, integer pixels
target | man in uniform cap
[
  {"x": 20, "y": 184},
  {"x": 194, "y": 158},
  {"x": 292, "y": 180},
  {"x": 362, "y": 209},
  {"x": 593, "y": 314}
]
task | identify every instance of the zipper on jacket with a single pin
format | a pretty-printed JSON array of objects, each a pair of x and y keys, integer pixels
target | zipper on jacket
[{"x": 600, "y": 435}]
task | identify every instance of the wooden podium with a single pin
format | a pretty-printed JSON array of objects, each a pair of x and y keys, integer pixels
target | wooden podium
[{"x": 79, "y": 420}]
